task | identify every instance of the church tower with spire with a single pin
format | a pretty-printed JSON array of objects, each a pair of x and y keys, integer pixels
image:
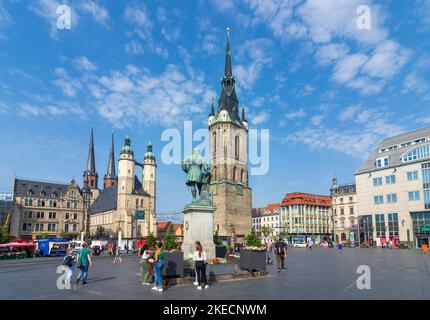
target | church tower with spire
[
  {"x": 110, "y": 177},
  {"x": 232, "y": 195},
  {"x": 90, "y": 175}
]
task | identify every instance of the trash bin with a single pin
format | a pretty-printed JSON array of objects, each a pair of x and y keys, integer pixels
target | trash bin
[{"x": 425, "y": 248}]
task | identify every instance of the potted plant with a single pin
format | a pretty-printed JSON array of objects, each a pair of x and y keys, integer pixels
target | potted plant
[
  {"x": 173, "y": 258},
  {"x": 253, "y": 255}
]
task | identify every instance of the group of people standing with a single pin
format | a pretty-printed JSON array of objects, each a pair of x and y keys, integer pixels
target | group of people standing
[{"x": 152, "y": 263}]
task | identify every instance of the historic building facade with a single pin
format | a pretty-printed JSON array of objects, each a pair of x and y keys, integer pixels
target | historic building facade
[
  {"x": 232, "y": 196},
  {"x": 305, "y": 215},
  {"x": 256, "y": 220},
  {"x": 46, "y": 209},
  {"x": 271, "y": 221},
  {"x": 393, "y": 190},
  {"x": 127, "y": 204},
  {"x": 344, "y": 211}
]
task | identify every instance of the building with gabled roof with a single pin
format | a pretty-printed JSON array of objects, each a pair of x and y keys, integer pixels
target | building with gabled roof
[{"x": 393, "y": 190}]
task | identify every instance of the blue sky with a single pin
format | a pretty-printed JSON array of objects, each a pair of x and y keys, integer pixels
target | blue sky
[{"x": 327, "y": 90}]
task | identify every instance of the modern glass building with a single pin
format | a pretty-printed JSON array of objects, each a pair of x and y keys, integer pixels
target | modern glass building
[
  {"x": 393, "y": 190},
  {"x": 6, "y": 207}
]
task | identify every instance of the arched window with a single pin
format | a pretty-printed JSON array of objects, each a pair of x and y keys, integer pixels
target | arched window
[
  {"x": 236, "y": 147},
  {"x": 242, "y": 176},
  {"x": 141, "y": 203},
  {"x": 214, "y": 145},
  {"x": 421, "y": 152},
  {"x": 225, "y": 143},
  {"x": 234, "y": 174},
  {"x": 343, "y": 236},
  {"x": 214, "y": 176},
  {"x": 137, "y": 203}
]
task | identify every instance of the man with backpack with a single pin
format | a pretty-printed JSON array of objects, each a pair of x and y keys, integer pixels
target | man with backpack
[
  {"x": 281, "y": 254},
  {"x": 68, "y": 263}
]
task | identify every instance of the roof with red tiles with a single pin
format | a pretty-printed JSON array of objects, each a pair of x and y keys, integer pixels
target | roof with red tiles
[{"x": 306, "y": 198}]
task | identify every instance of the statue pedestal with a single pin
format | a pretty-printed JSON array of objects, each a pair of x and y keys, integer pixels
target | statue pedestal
[{"x": 198, "y": 226}]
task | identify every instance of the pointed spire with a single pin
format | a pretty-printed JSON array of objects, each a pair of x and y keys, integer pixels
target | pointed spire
[
  {"x": 212, "y": 107},
  {"x": 91, "y": 165},
  {"x": 227, "y": 69},
  {"x": 243, "y": 113},
  {"x": 110, "y": 173}
]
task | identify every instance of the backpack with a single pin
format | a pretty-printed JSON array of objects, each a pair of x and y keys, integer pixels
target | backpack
[
  {"x": 279, "y": 247},
  {"x": 68, "y": 261}
]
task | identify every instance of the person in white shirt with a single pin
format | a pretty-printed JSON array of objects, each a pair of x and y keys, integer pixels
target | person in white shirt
[{"x": 199, "y": 258}]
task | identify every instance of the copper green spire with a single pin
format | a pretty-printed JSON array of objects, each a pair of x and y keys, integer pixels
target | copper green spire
[{"x": 126, "y": 149}]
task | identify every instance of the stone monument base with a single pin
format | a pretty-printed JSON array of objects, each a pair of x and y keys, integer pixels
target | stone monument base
[{"x": 198, "y": 226}]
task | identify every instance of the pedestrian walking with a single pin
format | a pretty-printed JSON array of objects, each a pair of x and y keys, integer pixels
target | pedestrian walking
[
  {"x": 159, "y": 264},
  {"x": 146, "y": 270},
  {"x": 69, "y": 263},
  {"x": 309, "y": 244},
  {"x": 84, "y": 262},
  {"x": 199, "y": 258},
  {"x": 110, "y": 249},
  {"x": 281, "y": 254},
  {"x": 118, "y": 255}
]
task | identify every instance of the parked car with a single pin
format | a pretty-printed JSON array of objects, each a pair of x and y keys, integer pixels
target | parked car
[{"x": 299, "y": 244}]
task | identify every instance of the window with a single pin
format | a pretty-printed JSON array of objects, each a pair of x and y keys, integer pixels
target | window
[
  {"x": 236, "y": 148},
  {"x": 68, "y": 205},
  {"x": 378, "y": 199},
  {"x": 350, "y": 199},
  {"x": 380, "y": 225},
  {"x": 412, "y": 175},
  {"x": 67, "y": 216},
  {"x": 414, "y": 195},
  {"x": 382, "y": 162},
  {"x": 28, "y": 214},
  {"x": 52, "y": 226},
  {"x": 40, "y": 215},
  {"x": 75, "y": 205},
  {"x": 52, "y": 215},
  {"x": 75, "y": 216},
  {"x": 421, "y": 152},
  {"x": 377, "y": 182},
  {"x": 74, "y": 228},
  {"x": 342, "y": 211},
  {"x": 391, "y": 198},
  {"x": 351, "y": 210},
  {"x": 39, "y": 226},
  {"x": 390, "y": 179},
  {"x": 66, "y": 227},
  {"x": 26, "y": 226},
  {"x": 393, "y": 225}
]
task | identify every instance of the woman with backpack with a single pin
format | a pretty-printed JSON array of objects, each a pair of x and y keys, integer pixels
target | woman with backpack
[{"x": 68, "y": 263}]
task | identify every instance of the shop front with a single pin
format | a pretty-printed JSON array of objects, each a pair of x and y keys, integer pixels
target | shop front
[{"x": 421, "y": 228}]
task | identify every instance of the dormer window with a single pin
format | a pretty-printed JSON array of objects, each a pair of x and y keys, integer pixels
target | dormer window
[{"x": 382, "y": 162}]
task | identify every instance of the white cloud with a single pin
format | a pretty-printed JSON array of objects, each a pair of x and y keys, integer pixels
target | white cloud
[
  {"x": 5, "y": 20},
  {"x": 97, "y": 11},
  {"x": 260, "y": 118},
  {"x": 66, "y": 83},
  {"x": 84, "y": 64},
  {"x": 135, "y": 95},
  {"x": 317, "y": 120},
  {"x": 415, "y": 83},
  {"x": 356, "y": 135},
  {"x": 292, "y": 115},
  {"x": 259, "y": 53},
  {"x": 330, "y": 26}
]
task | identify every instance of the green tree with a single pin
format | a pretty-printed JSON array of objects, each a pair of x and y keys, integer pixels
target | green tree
[
  {"x": 169, "y": 240},
  {"x": 150, "y": 241},
  {"x": 100, "y": 232},
  {"x": 4, "y": 234},
  {"x": 283, "y": 234},
  {"x": 252, "y": 240},
  {"x": 266, "y": 231}
]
